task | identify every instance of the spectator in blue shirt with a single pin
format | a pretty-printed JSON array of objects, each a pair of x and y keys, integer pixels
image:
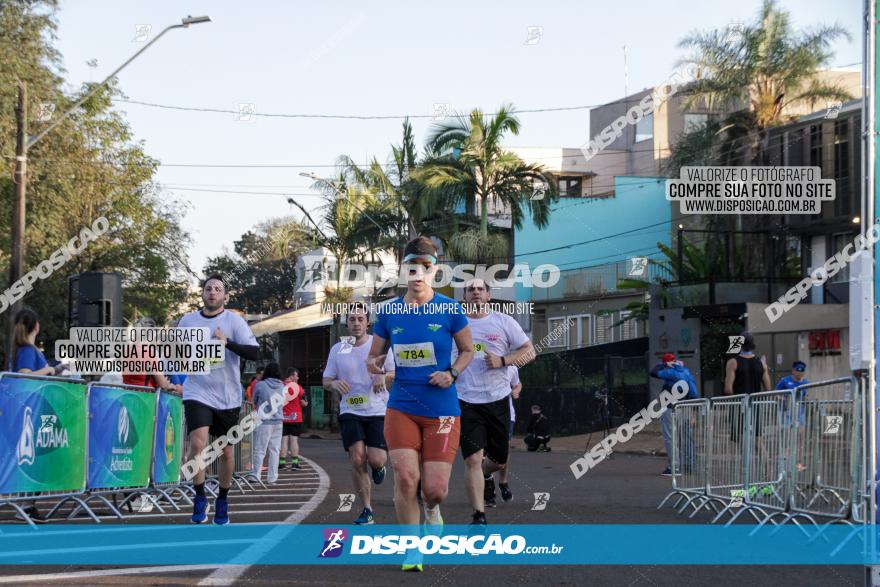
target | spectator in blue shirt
[
  {"x": 27, "y": 358},
  {"x": 797, "y": 378},
  {"x": 671, "y": 372}
]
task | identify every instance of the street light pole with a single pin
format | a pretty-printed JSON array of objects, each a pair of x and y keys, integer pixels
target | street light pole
[{"x": 23, "y": 143}]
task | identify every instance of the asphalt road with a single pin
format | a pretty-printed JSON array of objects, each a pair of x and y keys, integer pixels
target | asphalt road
[{"x": 624, "y": 489}]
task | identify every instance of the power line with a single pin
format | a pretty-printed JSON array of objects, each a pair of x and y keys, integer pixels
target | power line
[
  {"x": 568, "y": 246},
  {"x": 337, "y": 116}
]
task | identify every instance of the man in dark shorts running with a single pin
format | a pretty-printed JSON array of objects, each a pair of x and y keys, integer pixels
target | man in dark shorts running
[
  {"x": 212, "y": 402},
  {"x": 363, "y": 399},
  {"x": 483, "y": 392}
]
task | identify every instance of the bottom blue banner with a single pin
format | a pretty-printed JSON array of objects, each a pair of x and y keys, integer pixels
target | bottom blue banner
[{"x": 268, "y": 544}]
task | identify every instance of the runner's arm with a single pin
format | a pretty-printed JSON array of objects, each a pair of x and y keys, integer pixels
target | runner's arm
[
  {"x": 374, "y": 365},
  {"x": 465, "y": 344},
  {"x": 521, "y": 356},
  {"x": 252, "y": 353}
]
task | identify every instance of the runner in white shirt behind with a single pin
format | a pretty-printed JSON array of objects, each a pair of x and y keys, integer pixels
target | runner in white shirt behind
[
  {"x": 483, "y": 391},
  {"x": 362, "y": 402}
]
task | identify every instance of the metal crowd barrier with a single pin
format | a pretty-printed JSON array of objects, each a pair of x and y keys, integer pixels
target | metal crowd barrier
[
  {"x": 779, "y": 456},
  {"x": 55, "y": 430},
  {"x": 690, "y": 434},
  {"x": 97, "y": 490},
  {"x": 29, "y": 441}
]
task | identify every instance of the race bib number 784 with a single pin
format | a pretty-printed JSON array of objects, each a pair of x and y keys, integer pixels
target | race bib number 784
[{"x": 415, "y": 355}]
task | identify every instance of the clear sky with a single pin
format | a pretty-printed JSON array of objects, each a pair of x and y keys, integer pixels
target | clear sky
[{"x": 377, "y": 58}]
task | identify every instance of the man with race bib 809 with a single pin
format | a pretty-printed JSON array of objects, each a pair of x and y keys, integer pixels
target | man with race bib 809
[
  {"x": 362, "y": 403},
  {"x": 483, "y": 391},
  {"x": 422, "y": 424}
]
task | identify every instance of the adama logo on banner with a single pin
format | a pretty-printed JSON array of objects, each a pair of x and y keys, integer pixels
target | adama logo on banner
[
  {"x": 24, "y": 451},
  {"x": 52, "y": 434}
]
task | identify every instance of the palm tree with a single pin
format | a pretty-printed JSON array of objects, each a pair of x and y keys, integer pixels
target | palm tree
[
  {"x": 467, "y": 165},
  {"x": 354, "y": 224},
  {"x": 765, "y": 67}
]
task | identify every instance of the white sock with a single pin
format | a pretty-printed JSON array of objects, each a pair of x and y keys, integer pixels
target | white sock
[{"x": 432, "y": 515}]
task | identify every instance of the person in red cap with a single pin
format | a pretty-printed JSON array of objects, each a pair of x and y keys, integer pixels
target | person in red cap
[{"x": 671, "y": 371}]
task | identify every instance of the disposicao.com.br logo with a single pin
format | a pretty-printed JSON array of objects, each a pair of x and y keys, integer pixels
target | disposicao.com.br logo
[{"x": 430, "y": 544}]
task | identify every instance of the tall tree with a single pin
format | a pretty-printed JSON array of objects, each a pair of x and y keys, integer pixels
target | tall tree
[
  {"x": 411, "y": 208},
  {"x": 88, "y": 166},
  {"x": 468, "y": 164},
  {"x": 759, "y": 69}
]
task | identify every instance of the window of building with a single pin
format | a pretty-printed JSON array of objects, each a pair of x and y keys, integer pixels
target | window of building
[
  {"x": 557, "y": 332},
  {"x": 570, "y": 187},
  {"x": 694, "y": 121},
  {"x": 604, "y": 332},
  {"x": 841, "y": 167},
  {"x": 645, "y": 128},
  {"x": 583, "y": 330},
  {"x": 628, "y": 329},
  {"x": 838, "y": 241},
  {"x": 816, "y": 145}
]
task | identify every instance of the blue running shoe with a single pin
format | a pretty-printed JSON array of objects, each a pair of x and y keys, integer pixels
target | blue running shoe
[
  {"x": 221, "y": 511},
  {"x": 200, "y": 510},
  {"x": 378, "y": 475},
  {"x": 365, "y": 518}
]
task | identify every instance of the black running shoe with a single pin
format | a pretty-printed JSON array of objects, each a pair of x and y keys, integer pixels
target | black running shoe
[
  {"x": 478, "y": 524},
  {"x": 489, "y": 490},
  {"x": 506, "y": 495}
]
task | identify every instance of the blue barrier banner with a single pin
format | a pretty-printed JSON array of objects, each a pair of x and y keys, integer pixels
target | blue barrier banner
[
  {"x": 168, "y": 447},
  {"x": 121, "y": 427},
  {"x": 321, "y": 544},
  {"x": 42, "y": 435}
]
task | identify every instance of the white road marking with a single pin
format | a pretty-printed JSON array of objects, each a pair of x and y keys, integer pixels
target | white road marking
[
  {"x": 229, "y": 575},
  {"x": 105, "y": 573}
]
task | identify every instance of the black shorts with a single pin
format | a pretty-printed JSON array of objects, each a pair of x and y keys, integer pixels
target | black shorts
[
  {"x": 199, "y": 415},
  {"x": 486, "y": 426},
  {"x": 291, "y": 428},
  {"x": 368, "y": 429}
]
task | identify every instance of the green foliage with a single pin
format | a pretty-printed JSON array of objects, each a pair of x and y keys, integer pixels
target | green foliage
[
  {"x": 261, "y": 274},
  {"x": 86, "y": 167},
  {"x": 756, "y": 70},
  {"x": 467, "y": 165}
]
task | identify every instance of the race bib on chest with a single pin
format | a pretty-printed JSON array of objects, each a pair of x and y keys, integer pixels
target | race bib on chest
[
  {"x": 415, "y": 355},
  {"x": 356, "y": 402},
  {"x": 480, "y": 347}
]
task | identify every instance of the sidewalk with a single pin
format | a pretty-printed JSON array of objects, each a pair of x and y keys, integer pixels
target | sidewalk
[{"x": 647, "y": 442}]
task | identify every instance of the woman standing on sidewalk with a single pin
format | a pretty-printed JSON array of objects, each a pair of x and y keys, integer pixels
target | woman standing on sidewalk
[{"x": 267, "y": 436}]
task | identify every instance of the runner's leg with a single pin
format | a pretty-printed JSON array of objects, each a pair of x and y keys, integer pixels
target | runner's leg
[
  {"x": 357, "y": 456},
  {"x": 474, "y": 480},
  {"x": 405, "y": 462},
  {"x": 198, "y": 438},
  {"x": 376, "y": 457},
  {"x": 435, "y": 485}
]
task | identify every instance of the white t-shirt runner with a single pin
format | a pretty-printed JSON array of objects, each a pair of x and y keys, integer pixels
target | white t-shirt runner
[
  {"x": 349, "y": 363},
  {"x": 221, "y": 388},
  {"x": 499, "y": 334}
]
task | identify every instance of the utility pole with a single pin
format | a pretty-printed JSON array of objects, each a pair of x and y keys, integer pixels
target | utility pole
[{"x": 18, "y": 208}]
